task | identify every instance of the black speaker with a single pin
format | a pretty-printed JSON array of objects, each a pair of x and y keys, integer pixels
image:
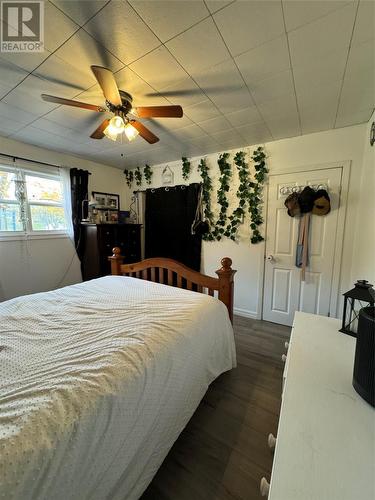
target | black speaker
[{"x": 364, "y": 374}]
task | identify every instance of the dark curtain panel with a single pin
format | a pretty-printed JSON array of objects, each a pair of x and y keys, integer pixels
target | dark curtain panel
[
  {"x": 170, "y": 213},
  {"x": 79, "y": 190}
]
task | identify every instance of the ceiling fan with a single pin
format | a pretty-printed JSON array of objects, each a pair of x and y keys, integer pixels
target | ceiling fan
[{"x": 119, "y": 103}]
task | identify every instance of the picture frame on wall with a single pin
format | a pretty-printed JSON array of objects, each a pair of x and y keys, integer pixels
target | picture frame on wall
[{"x": 108, "y": 201}]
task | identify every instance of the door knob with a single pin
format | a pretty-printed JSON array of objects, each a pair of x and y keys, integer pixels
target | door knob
[{"x": 271, "y": 258}]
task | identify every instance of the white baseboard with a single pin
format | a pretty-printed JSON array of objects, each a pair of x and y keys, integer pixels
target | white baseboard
[{"x": 245, "y": 313}]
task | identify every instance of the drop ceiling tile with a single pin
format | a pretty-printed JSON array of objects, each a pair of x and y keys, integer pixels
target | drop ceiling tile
[
  {"x": 169, "y": 124},
  {"x": 361, "y": 58},
  {"x": 11, "y": 112},
  {"x": 58, "y": 71},
  {"x": 277, "y": 108},
  {"x": 57, "y": 27},
  {"x": 234, "y": 100},
  {"x": 328, "y": 34},
  {"x": 319, "y": 95},
  {"x": 27, "y": 95},
  {"x": 159, "y": 69},
  {"x": 199, "y": 47},
  {"x": 54, "y": 128},
  {"x": 9, "y": 127},
  {"x": 187, "y": 133},
  {"x": 328, "y": 68},
  {"x": 286, "y": 126},
  {"x": 358, "y": 91},
  {"x": 224, "y": 136},
  {"x": 274, "y": 87},
  {"x": 10, "y": 75},
  {"x": 167, "y": 19},
  {"x": 87, "y": 51},
  {"x": 364, "y": 28},
  {"x": 246, "y": 25},
  {"x": 93, "y": 95},
  {"x": 201, "y": 111},
  {"x": 244, "y": 116},
  {"x": 26, "y": 60},
  {"x": 143, "y": 94},
  {"x": 346, "y": 118},
  {"x": 82, "y": 120},
  {"x": 119, "y": 28},
  {"x": 35, "y": 136},
  {"x": 255, "y": 133},
  {"x": 298, "y": 14},
  {"x": 215, "y": 125},
  {"x": 215, "y": 5},
  {"x": 80, "y": 12},
  {"x": 320, "y": 116},
  {"x": 185, "y": 93},
  {"x": 268, "y": 59}
]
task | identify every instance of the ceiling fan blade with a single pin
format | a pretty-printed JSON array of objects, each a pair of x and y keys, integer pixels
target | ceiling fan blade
[
  {"x": 108, "y": 84},
  {"x": 70, "y": 102},
  {"x": 99, "y": 132},
  {"x": 144, "y": 132},
  {"x": 159, "y": 111}
]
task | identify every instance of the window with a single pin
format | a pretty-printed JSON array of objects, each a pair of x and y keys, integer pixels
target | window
[{"x": 31, "y": 202}]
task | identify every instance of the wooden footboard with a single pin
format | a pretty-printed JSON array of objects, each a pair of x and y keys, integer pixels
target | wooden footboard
[{"x": 171, "y": 272}]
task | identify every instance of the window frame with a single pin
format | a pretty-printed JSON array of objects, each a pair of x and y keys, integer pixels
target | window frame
[{"x": 28, "y": 232}]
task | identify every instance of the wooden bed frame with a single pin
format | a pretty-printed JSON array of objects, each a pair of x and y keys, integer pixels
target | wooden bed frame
[{"x": 171, "y": 272}]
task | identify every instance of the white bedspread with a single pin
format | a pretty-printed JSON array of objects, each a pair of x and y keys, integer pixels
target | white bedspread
[{"x": 98, "y": 380}]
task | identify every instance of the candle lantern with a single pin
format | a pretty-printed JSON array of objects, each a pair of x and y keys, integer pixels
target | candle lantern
[{"x": 362, "y": 295}]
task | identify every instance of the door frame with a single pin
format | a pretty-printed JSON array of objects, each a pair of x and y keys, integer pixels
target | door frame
[{"x": 341, "y": 220}]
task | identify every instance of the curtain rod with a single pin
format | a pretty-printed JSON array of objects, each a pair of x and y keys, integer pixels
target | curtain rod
[{"x": 31, "y": 161}]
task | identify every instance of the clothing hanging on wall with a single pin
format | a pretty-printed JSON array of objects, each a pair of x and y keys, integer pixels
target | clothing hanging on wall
[
  {"x": 170, "y": 212},
  {"x": 302, "y": 256}
]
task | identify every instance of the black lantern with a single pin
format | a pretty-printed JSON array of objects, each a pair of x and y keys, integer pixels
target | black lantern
[{"x": 362, "y": 295}]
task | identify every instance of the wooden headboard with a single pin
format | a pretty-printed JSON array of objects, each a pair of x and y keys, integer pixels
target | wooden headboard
[{"x": 171, "y": 272}]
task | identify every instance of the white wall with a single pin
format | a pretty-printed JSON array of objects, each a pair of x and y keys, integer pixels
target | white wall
[
  {"x": 44, "y": 264},
  {"x": 284, "y": 155},
  {"x": 364, "y": 240}
]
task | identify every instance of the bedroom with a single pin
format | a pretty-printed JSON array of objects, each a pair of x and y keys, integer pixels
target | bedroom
[{"x": 295, "y": 78}]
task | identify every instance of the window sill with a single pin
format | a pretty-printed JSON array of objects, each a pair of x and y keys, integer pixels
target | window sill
[{"x": 33, "y": 236}]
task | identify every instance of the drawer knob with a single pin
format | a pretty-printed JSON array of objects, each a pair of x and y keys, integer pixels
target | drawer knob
[
  {"x": 283, "y": 358},
  {"x": 264, "y": 487},
  {"x": 286, "y": 345},
  {"x": 271, "y": 441}
]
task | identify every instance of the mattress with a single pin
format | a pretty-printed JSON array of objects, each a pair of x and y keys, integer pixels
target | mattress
[{"x": 97, "y": 382}]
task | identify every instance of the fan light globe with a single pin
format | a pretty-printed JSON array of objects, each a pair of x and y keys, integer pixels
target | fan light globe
[
  {"x": 116, "y": 126},
  {"x": 130, "y": 132}
]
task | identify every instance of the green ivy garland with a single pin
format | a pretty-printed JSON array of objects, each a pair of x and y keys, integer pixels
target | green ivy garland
[
  {"x": 138, "y": 176},
  {"x": 255, "y": 196},
  {"x": 147, "y": 173},
  {"x": 186, "y": 168},
  {"x": 225, "y": 175},
  {"x": 206, "y": 196},
  {"x": 129, "y": 175},
  {"x": 242, "y": 194}
]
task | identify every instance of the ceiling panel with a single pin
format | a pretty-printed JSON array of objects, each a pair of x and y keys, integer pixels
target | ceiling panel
[
  {"x": 119, "y": 28},
  {"x": 273, "y": 88},
  {"x": 235, "y": 100},
  {"x": 328, "y": 34},
  {"x": 364, "y": 29},
  {"x": 202, "y": 111},
  {"x": 317, "y": 117},
  {"x": 10, "y": 75},
  {"x": 11, "y": 112},
  {"x": 57, "y": 27},
  {"x": 215, "y": 5},
  {"x": 253, "y": 134},
  {"x": 26, "y": 60},
  {"x": 181, "y": 15},
  {"x": 80, "y": 12},
  {"x": 246, "y": 25},
  {"x": 277, "y": 108},
  {"x": 354, "y": 117},
  {"x": 286, "y": 126},
  {"x": 199, "y": 47},
  {"x": 159, "y": 68},
  {"x": 215, "y": 125},
  {"x": 244, "y": 116},
  {"x": 264, "y": 61},
  {"x": 185, "y": 92},
  {"x": 299, "y": 13}
]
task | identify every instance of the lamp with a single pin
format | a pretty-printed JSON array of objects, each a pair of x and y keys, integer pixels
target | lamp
[
  {"x": 353, "y": 302},
  {"x": 130, "y": 132},
  {"x": 116, "y": 126}
]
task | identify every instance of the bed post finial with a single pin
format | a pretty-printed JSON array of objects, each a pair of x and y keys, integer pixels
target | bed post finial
[
  {"x": 226, "y": 285},
  {"x": 116, "y": 260}
]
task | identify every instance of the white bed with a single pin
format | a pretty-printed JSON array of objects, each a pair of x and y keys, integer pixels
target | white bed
[{"x": 97, "y": 382}]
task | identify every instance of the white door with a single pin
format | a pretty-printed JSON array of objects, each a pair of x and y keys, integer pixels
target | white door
[{"x": 284, "y": 292}]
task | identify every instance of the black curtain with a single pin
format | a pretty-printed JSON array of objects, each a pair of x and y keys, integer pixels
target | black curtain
[
  {"x": 79, "y": 190},
  {"x": 170, "y": 212}
]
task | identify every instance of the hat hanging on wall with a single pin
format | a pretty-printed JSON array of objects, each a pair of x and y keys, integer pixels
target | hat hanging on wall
[
  {"x": 306, "y": 199},
  {"x": 322, "y": 203},
  {"x": 292, "y": 204}
]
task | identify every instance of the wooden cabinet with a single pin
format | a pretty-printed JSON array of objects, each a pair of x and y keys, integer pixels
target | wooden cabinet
[{"x": 98, "y": 241}]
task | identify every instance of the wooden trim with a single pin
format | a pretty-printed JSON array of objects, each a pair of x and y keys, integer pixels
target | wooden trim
[{"x": 185, "y": 277}]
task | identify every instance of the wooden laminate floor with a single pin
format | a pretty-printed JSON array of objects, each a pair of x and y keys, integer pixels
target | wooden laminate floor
[{"x": 222, "y": 453}]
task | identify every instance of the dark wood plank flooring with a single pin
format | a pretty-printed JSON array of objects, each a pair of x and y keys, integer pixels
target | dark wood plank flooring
[{"x": 222, "y": 453}]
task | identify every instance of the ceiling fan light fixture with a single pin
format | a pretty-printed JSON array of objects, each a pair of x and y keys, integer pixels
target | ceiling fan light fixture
[
  {"x": 116, "y": 126},
  {"x": 130, "y": 132}
]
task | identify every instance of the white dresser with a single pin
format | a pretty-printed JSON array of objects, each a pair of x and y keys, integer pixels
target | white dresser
[{"x": 325, "y": 448}]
